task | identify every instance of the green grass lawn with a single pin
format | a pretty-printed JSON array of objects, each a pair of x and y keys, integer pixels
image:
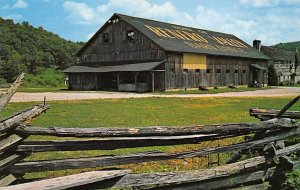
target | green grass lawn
[
  {"x": 216, "y": 91},
  {"x": 144, "y": 112},
  {"x": 295, "y": 85},
  {"x": 148, "y": 111}
]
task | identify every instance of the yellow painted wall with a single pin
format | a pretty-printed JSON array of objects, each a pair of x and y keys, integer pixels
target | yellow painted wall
[{"x": 194, "y": 61}]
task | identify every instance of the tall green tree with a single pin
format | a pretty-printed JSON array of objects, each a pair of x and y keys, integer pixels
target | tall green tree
[{"x": 272, "y": 76}]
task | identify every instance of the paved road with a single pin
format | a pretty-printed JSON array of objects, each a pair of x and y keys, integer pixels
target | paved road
[{"x": 50, "y": 96}]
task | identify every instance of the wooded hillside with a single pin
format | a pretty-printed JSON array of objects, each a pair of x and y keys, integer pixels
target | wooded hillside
[
  {"x": 24, "y": 48},
  {"x": 289, "y": 46}
]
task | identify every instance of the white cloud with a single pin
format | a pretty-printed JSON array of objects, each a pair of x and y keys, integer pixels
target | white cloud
[
  {"x": 267, "y": 3},
  {"x": 20, "y": 4},
  {"x": 144, "y": 7},
  {"x": 80, "y": 12}
]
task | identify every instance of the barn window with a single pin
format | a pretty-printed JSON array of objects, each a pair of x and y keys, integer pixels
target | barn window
[
  {"x": 130, "y": 35},
  {"x": 185, "y": 70},
  {"x": 236, "y": 71},
  {"x": 227, "y": 71},
  {"x": 197, "y": 71},
  {"x": 244, "y": 71},
  {"x": 218, "y": 70},
  {"x": 208, "y": 71},
  {"x": 106, "y": 38}
]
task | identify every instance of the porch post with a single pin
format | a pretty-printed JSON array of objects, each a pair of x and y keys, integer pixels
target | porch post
[
  {"x": 153, "y": 80},
  {"x": 118, "y": 80},
  {"x": 136, "y": 78},
  {"x": 96, "y": 80},
  {"x": 263, "y": 78},
  {"x": 81, "y": 80}
]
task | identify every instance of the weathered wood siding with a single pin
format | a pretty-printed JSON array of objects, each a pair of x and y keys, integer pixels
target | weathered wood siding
[
  {"x": 82, "y": 81},
  {"x": 120, "y": 48},
  {"x": 220, "y": 71}
]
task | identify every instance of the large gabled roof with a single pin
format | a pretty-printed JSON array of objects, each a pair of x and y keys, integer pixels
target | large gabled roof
[{"x": 176, "y": 38}]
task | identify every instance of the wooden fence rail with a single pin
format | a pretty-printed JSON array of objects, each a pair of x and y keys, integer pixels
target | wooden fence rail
[
  {"x": 265, "y": 113},
  {"x": 5, "y": 98},
  {"x": 219, "y": 129},
  {"x": 70, "y": 181},
  {"x": 22, "y": 117},
  {"x": 50, "y": 165}
]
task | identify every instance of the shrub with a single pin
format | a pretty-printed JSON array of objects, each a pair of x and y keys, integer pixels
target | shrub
[
  {"x": 3, "y": 81},
  {"x": 293, "y": 179},
  {"x": 272, "y": 76},
  {"x": 285, "y": 83}
]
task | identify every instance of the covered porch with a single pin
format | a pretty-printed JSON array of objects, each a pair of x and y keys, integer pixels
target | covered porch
[{"x": 139, "y": 77}]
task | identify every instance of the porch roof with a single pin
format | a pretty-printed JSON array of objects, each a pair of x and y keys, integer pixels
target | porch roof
[
  {"x": 257, "y": 66},
  {"x": 116, "y": 68}
]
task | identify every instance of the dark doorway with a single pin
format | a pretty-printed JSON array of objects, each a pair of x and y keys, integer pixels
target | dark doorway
[
  {"x": 254, "y": 77},
  {"x": 107, "y": 81}
]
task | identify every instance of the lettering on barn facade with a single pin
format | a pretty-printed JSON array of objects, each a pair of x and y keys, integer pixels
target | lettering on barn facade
[{"x": 135, "y": 54}]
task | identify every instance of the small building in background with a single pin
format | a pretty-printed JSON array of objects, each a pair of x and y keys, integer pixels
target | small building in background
[
  {"x": 135, "y": 54},
  {"x": 284, "y": 62}
]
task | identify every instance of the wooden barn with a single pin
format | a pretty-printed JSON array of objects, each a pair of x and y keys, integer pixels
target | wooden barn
[{"x": 135, "y": 54}]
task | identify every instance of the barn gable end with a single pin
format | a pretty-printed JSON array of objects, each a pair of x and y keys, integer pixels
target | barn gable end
[{"x": 118, "y": 42}]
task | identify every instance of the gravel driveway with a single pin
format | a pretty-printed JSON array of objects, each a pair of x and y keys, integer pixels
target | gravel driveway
[{"x": 29, "y": 97}]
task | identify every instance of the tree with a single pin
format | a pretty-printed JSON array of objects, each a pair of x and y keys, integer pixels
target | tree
[
  {"x": 5, "y": 53},
  {"x": 272, "y": 76},
  {"x": 9, "y": 70},
  {"x": 64, "y": 60}
]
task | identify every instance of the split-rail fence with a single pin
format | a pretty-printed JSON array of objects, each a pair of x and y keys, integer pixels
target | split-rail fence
[{"x": 265, "y": 170}]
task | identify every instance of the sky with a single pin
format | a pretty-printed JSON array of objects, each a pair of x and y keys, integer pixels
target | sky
[{"x": 271, "y": 21}]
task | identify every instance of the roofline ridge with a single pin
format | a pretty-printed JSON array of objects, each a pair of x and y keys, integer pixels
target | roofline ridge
[{"x": 175, "y": 24}]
